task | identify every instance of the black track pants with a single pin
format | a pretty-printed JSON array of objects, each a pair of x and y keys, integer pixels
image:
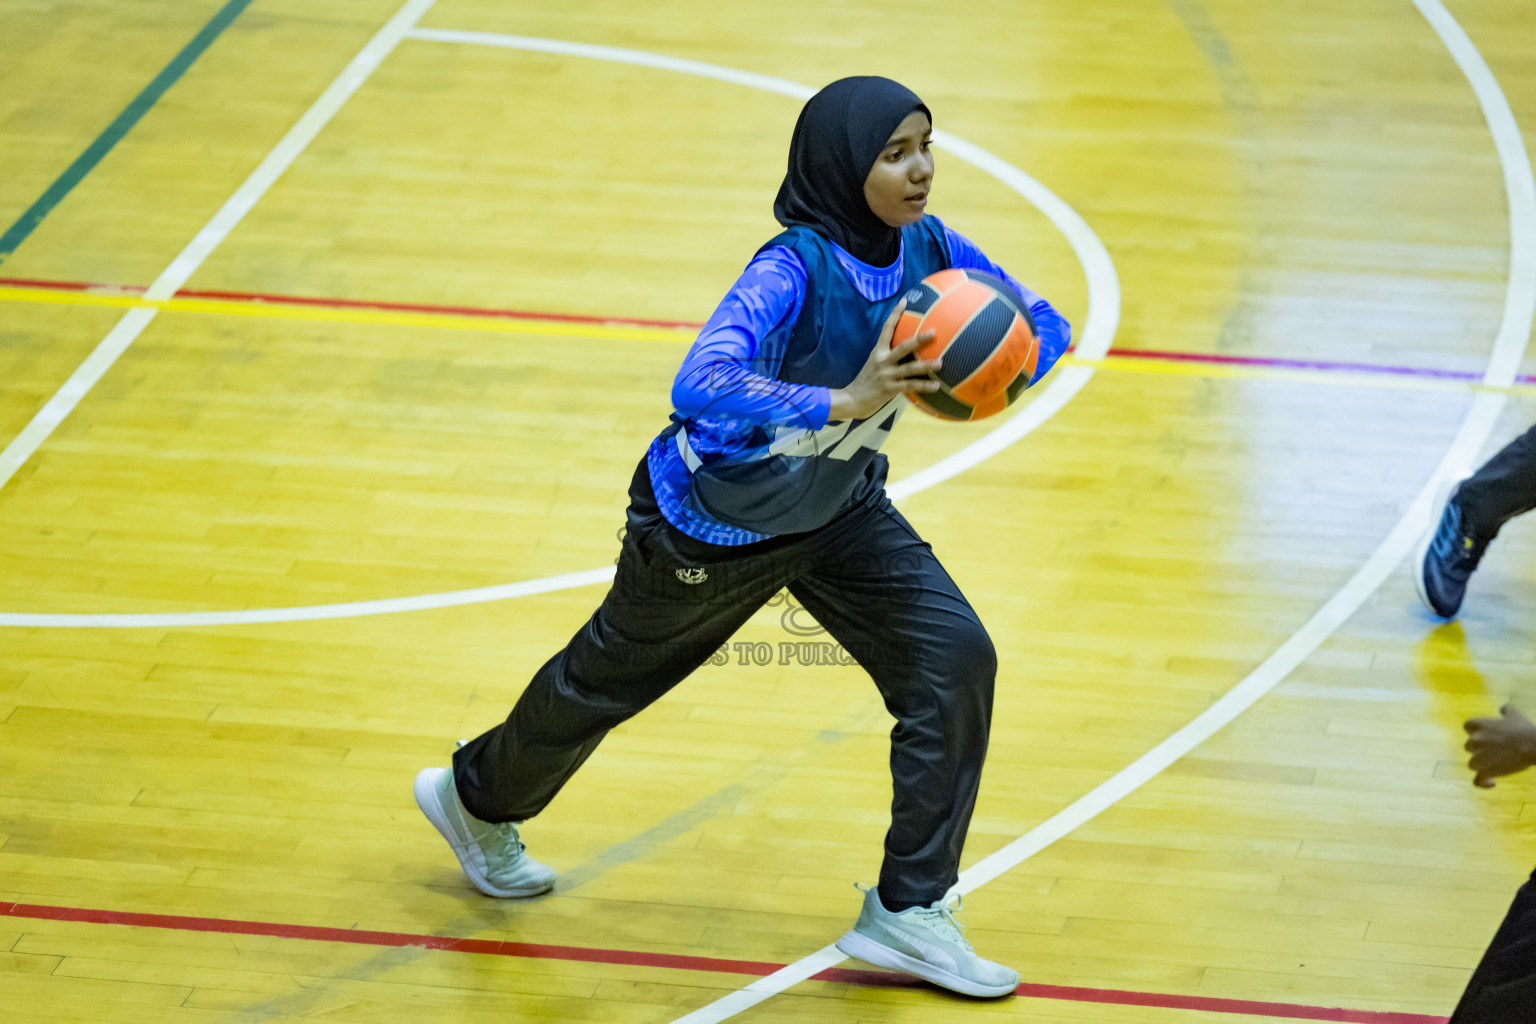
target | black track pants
[
  {"x": 1503, "y": 988},
  {"x": 1503, "y": 488},
  {"x": 866, "y": 576}
]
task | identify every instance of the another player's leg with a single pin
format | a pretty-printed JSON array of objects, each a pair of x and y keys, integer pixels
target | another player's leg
[
  {"x": 1471, "y": 515},
  {"x": 654, "y": 628},
  {"x": 1503, "y": 988},
  {"x": 887, "y": 600}
]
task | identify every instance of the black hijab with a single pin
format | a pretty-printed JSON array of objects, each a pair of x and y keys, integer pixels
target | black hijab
[{"x": 841, "y": 131}]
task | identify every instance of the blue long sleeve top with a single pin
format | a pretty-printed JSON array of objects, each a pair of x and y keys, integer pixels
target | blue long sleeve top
[{"x": 726, "y": 384}]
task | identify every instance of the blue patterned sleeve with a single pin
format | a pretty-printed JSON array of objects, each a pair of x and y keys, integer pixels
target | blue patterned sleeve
[
  {"x": 1054, "y": 331},
  {"x": 729, "y": 372}
]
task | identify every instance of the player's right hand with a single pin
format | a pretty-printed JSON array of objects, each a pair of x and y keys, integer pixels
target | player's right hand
[{"x": 889, "y": 371}]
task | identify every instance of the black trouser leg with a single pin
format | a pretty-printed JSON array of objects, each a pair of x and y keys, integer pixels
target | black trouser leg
[
  {"x": 1503, "y": 988},
  {"x": 651, "y": 631},
  {"x": 883, "y": 595},
  {"x": 867, "y": 577},
  {"x": 1503, "y": 488}
]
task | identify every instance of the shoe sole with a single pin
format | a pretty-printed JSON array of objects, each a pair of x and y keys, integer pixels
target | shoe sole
[
  {"x": 871, "y": 952},
  {"x": 425, "y": 791},
  {"x": 1421, "y": 552}
]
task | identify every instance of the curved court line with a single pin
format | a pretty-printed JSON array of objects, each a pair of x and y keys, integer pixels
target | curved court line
[
  {"x": 1504, "y": 360},
  {"x": 310, "y": 613},
  {"x": 1099, "y": 327},
  {"x": 1520, "y": 304},
  {"x": 1519, "y": 184}
]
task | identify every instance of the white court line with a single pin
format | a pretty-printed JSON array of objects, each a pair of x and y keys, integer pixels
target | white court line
[
  {"x": 1508, "y": 350},
  {"x": 1519, "y": 185},
  {"x": 215, "y": 231},
  {"x": 615, "y": 55},
  {"x": 345, "y": 610},
  {"x": 1098, "y": 332},
  {"x": 1103, "y": 317}
]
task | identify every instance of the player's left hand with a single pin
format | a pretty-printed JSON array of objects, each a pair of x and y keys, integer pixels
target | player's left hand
[{"x": 1500, "y": 746}]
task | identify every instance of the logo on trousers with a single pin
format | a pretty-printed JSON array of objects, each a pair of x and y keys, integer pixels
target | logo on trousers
[{"x": 692, "y": 575}]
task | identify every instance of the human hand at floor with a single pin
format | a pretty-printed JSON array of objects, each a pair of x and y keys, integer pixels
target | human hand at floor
[{"x": 1500, "y": 746}]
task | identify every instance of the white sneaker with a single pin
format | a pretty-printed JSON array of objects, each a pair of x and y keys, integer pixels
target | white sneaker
[
  {"x": 925, "y": 941},
  {"x": 491, "y": 855}
]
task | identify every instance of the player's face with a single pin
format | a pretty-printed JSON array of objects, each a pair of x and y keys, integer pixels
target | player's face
[{"x": 898, "y": 184}]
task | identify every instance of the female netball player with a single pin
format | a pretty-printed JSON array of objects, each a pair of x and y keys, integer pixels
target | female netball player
[{"x": 769, "y": 476}]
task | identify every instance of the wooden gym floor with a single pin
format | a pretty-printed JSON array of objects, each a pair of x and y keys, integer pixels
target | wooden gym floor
[{"x": 409, "y": 340}]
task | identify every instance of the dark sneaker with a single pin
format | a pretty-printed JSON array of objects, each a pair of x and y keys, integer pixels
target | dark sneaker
[
  {"x": 1446, "y": 560},
  {"x": 925, "y": 941}
]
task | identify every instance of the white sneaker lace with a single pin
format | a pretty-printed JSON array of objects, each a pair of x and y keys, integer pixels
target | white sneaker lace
[
  {"x": 941, "y": 918},
  {"x": 505, "y": 839}
]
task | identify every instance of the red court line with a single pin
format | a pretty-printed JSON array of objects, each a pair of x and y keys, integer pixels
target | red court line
[
  {"x": 675, "y": 961},
  {"x": 407, "y": 307},
  {"x": 1206, "y": 358},
  {"x": 70, "y": 286},
  {"x": 322, "y": 303}
]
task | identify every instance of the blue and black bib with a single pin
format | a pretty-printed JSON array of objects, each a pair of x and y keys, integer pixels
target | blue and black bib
[{"x": 800, "y": 478}]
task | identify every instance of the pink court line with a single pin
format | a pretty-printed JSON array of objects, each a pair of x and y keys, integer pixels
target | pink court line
[
  {"x": 1205, "y": 358},
  {"x": 1301, "y": 364},
  {"x": 675, "y": 961}
]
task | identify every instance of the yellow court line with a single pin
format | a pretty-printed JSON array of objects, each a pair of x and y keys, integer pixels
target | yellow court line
[
  {"x": 54, "y": 298},
  {"x": 451, "y": 321},
  {"x": 672, "y": 335},
  {"x": 395, "y": 318}
]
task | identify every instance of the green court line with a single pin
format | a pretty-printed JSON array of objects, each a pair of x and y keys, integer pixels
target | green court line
[{"x": 93, "y": 154}]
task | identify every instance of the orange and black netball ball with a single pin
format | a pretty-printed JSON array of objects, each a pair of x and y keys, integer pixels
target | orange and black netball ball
[{"x": 985, "y": 336}]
